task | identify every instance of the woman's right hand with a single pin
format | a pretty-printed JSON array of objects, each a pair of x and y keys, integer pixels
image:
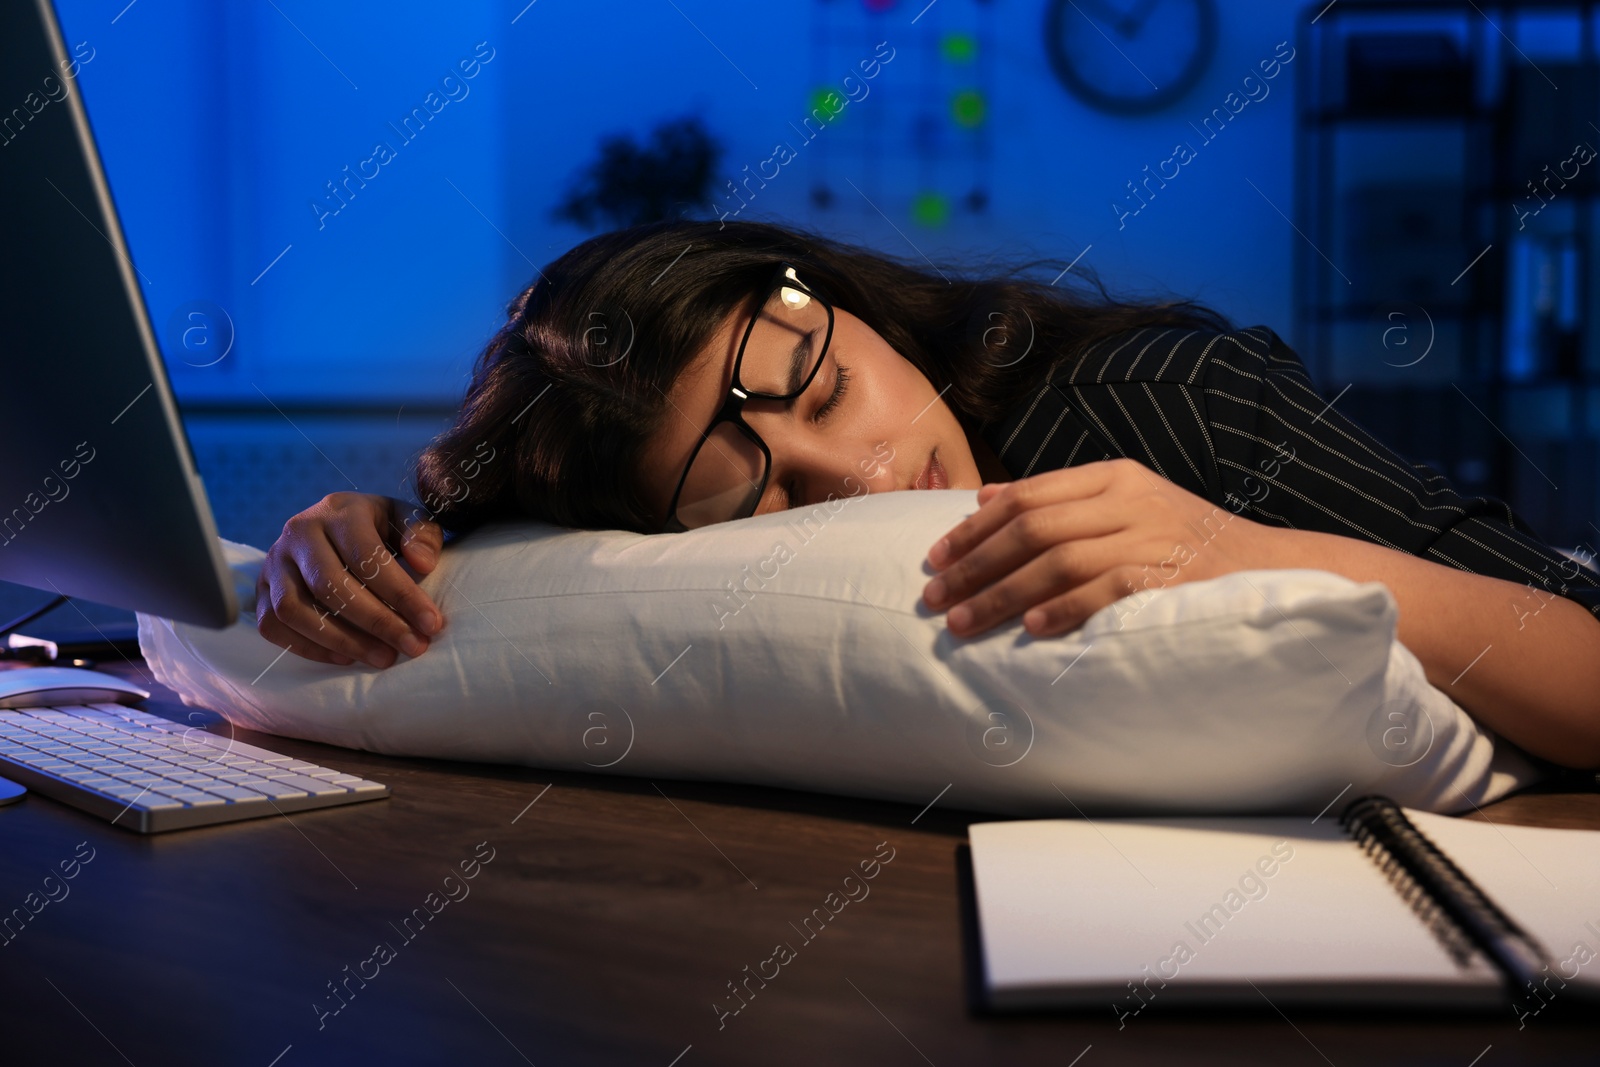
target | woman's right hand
[{"x": 334, "y": 587}]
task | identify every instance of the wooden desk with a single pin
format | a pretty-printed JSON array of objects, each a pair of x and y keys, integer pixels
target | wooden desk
[{"x": 611, "y": 918}]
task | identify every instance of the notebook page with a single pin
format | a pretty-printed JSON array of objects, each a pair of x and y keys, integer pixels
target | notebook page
[
  {"x": 1547, "y": 880},
  {"x": 1071, "y": 911}
]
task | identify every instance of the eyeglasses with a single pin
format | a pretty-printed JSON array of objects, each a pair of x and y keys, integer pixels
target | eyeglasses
[{"x": 782, "y": 348}]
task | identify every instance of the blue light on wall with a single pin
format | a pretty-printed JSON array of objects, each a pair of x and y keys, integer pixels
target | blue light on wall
[
  {"x": 322, "y": 183},
  {"x": 329, "y": 189}
]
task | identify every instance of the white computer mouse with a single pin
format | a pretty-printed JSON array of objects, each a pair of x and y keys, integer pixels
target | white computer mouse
[{"x": 32, "y": 687}]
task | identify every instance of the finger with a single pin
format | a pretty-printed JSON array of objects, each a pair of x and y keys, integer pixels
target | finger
[
  {"x": 342, "y": 563},
  {"x": 1013, "y": 498},
  {"x": 405, "y": 531},
  {"x": 1067, "y": 611},
  {"x": 988, "y": 491},
  {"x": 384, "y": 599},
  {"x": 421, "y": 543},
  {"x": 1039, "y": 579},
  {"x": 320, "y": 565},
  {"x": 1024, "y": 538},
  {"x": 418, "y": 541},
  {"x": 298, "y": 608},
  {"x": 269, "y": 626},
  {"x": 304, "y": 615}
]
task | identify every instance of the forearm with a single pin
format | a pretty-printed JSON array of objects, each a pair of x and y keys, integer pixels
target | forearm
[{"x": 1523, "y": 661}]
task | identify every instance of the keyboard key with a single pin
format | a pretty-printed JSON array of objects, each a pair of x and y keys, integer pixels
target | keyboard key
[
  {"x": 136, "y": 714},
  {"x": 193, "y": 797},
  {"x": 165, "y": 730},
  {"x": 161, "y": 737},
  {"x": 239, "y": 748},
  {"x": 187, "y": 761},
  {"x": 151, "y": 764},
  {"x": 200, "y": 752},
  {"x": 236, "y": 794},
  {"x": 311, "y": 785},
  {"x": 156, "y": 802},
  {"x": 271, "y": 758}
]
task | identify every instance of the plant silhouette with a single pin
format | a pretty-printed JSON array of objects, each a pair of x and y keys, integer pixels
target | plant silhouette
[{"x": 631, "y": 184}]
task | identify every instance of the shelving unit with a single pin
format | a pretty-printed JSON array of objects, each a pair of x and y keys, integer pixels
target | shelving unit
[{"x": 1421, "y": 126}]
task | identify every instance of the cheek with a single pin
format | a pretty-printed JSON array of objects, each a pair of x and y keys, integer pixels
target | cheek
[
  {"x": 890, "y": 386},
  {"x": 886, "y": 391},
  {"x": 906, "y": 395},
  {"x": 657, "y": 479},
  {"x": 875, "y": 405}
]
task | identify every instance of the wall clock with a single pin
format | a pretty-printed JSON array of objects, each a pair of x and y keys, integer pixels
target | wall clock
[{"x": 1130, "y": 57}]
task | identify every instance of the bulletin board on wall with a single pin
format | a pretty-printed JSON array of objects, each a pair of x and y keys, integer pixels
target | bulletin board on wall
[{"x": 908, "y": 107}]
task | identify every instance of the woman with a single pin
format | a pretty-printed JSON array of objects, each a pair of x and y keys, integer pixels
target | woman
[{"x": 1120, "y": 448}]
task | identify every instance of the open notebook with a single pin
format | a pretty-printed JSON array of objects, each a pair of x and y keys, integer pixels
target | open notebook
[{"x": 1358, "y": 910}]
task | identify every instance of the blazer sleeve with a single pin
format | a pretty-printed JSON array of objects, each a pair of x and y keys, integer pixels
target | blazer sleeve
[{"x": 1288, "y": 457}]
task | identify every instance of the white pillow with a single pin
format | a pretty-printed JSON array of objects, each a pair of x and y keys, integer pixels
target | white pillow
[{"x": 1261, "y": 691}]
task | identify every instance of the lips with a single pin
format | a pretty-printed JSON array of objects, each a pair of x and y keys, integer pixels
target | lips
[{"x": 932, "y": 475}]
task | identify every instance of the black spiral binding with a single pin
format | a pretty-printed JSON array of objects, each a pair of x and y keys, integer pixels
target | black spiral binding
[{"x": 1450, "y": 903}]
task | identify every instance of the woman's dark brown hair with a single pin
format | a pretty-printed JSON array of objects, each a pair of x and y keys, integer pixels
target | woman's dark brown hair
[{"x": 567, "y": 393}]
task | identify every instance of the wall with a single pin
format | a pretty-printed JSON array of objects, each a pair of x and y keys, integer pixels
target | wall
[{"x": 221, "y": 124}]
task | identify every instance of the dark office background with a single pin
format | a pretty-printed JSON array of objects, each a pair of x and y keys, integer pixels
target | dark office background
[{"x": 1399, "y": 190}]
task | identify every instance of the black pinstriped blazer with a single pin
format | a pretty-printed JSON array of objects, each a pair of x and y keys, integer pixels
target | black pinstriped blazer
[{"x": 1233, "y": 417}]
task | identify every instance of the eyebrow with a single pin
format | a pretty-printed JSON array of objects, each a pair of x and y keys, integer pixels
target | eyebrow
[{"x": 798, "y": 361}]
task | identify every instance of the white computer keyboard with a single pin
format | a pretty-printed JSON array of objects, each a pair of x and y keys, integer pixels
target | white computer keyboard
[{"x": 149, "y": 774}]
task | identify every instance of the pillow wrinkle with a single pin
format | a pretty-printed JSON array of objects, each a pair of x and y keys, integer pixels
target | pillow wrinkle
[{"x": 1269, "y": 691}]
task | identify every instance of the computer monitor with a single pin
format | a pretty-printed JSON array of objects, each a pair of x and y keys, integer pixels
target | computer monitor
[{"x": 99, "y": 495}]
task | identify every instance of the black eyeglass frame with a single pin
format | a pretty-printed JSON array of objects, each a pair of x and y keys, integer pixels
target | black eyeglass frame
[{"x": 732, "y": 409}]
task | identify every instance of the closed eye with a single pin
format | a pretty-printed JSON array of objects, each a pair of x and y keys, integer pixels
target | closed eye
[
  {"x": 783, "y": 496},
  {"x": 840, "y": 385}
]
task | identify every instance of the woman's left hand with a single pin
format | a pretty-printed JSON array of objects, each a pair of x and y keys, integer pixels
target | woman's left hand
[{"x": 1063, "y": 544}]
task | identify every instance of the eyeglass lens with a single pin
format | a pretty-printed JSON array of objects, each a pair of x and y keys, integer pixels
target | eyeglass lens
[{"x": 784, "y": 349}]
